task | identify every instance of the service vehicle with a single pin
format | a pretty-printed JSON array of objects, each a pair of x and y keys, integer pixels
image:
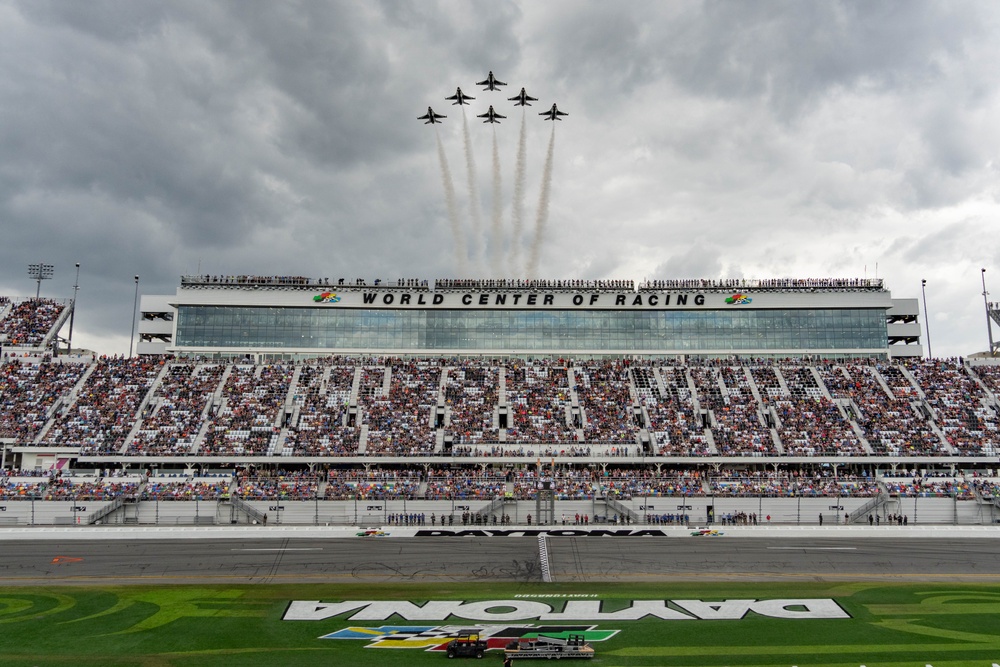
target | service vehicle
[
  {"x": 573, "y": 646},
  {"x": 467, "y": 645}
]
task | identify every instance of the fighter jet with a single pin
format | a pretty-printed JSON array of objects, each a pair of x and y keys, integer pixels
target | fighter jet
[
  {"x": 523, "y": 99},
  {"x": 553, "y": 113},
  {"x": 459, "y": 97},
  {"x": 431, "y": 117},
  {"x": 490, "y": 116},
  {"x": 491, "y": 82}
]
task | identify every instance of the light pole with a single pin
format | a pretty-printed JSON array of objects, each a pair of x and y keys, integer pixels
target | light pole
[
  {"x": 135, "y": 304},
  {"x": 72, "y": 311},
  {"x": 39, "y": 272},
  {"x": 927, "y": 318},
  {"x": 989, "y": 326}
]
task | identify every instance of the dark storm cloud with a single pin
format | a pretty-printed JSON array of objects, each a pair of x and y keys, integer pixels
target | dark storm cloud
[{"x": 705, "y": 139}]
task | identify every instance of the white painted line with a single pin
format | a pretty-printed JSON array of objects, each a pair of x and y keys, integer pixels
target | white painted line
[
  {"x": 815, "y": 548},
  {"x": 281, "y": 549}
]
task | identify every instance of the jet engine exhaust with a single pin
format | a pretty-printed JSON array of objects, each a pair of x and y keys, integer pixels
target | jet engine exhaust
[
  {"x": 517, "y": 215},
  {"x": 543, "y": 208},
  {"x": 474, "y": 203},
  {"x": 496, "y": 245},
  {"x": 449, "y": 198}
]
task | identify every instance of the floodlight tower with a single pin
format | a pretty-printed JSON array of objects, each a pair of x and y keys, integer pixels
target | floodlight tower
[
  {"x": 135, "y": 304},
  {"x": 927, "y": 318},
  {"x": 72, "y": 309},
  {"x": 39, "y": 272},
  {"x": 989, "y": 326}
]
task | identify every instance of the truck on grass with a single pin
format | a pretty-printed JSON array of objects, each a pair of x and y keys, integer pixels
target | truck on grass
[
  {"x": 467, "y": 645},
  {"x": 573, "y": 646}
]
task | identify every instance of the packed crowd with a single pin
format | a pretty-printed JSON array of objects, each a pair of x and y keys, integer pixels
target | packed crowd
[
  {"x": 603, "y": 392},
  {"x": 373, "y": 484},
  {"x": 539, "y": 399},
  {"x": 30, "y": 391},
  {"x": 765, "y": 284},
  {"x": 322, "y": 397},
  {"x": 675, "y": 425},
  {"x": 106, "y": 406},
  {"x": 574, "y": 285},
  {"x": 30, "y": 321},
  {"x": 246, "y": 423},
  {"x": 471, "y": 395},
  {"x": 400, "y": 422},
  {"x": 962, "y": 409},
  {"x": 175, "y": 415},
  {"x": 185, "y": 490},
  {"x": 489, "y": 408}
]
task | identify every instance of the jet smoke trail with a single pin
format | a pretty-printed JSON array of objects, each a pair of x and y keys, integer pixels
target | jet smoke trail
[
  {"x": 518, "y": 212},
  {"x": 496, "y": 245},
  {"x": 543, "y": 208},
  {"x": 449, "y": 198},
  {"x": 474, "y": 203}
]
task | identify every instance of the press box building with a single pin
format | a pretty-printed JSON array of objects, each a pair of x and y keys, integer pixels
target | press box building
[{"x": 279, "y": 317}]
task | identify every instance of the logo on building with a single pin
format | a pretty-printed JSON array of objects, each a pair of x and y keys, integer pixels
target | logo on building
[
  {"x": 326, "y": 297},
  {"x": 738, "y": 299}
]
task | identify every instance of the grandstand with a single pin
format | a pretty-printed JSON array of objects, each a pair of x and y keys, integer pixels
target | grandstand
[{"x": 478, "y": 413}]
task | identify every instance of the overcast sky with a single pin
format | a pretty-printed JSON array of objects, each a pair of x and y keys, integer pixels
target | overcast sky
[{"x": 704, "y": 140}]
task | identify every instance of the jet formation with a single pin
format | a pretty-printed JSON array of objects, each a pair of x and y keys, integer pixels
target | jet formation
[{"x": 522, "y": 99}]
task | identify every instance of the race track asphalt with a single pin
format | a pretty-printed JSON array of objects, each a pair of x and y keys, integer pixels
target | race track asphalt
[{"x": 283, "y": 559}]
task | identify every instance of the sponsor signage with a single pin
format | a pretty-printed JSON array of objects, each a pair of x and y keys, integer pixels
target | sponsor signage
[
  {"x": 517, "y": 300},
  {"x": 535, "y": 532},
  {"x": 519, "y": 609}
]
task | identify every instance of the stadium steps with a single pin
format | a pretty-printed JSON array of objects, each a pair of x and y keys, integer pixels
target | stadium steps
[
  {"x": 71, "y": 398},
  {"x": 940, "y": 434},
  {"x": 46, "y": 342},
  {"x": 860, "y": 434},
  {"x": 869, "y": 507},
  {"x": 822, "y": 385},
  {"x": 149, "y": 399},
  {"x": 502, "y": 385},
  {"x": 710, "y": 438},
  {"x": 912, "y": 380},
  {"x": 5, "y": 310}
]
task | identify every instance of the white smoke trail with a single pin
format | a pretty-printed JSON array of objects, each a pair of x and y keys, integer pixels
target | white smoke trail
[
  {"x": 517, "y": 214},
  {"x": 449, "y": 198},
  {"x": 496, "y": 245},
  {"x": 474, "y": 203},
  {"x": 543, "y": 208}
]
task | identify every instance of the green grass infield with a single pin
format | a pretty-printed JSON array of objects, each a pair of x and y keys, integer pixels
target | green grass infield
[{"x": 877, "y": 625}]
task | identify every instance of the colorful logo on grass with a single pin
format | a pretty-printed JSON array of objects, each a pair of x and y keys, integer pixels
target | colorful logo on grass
[
  {"x": 436, "y": 637},
  {"x": 326, "y": 297},
  {"x": 738, "y": 299}
]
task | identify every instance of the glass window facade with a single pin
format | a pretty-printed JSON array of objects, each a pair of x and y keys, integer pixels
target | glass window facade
[{"x": 485, "y": 331}]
